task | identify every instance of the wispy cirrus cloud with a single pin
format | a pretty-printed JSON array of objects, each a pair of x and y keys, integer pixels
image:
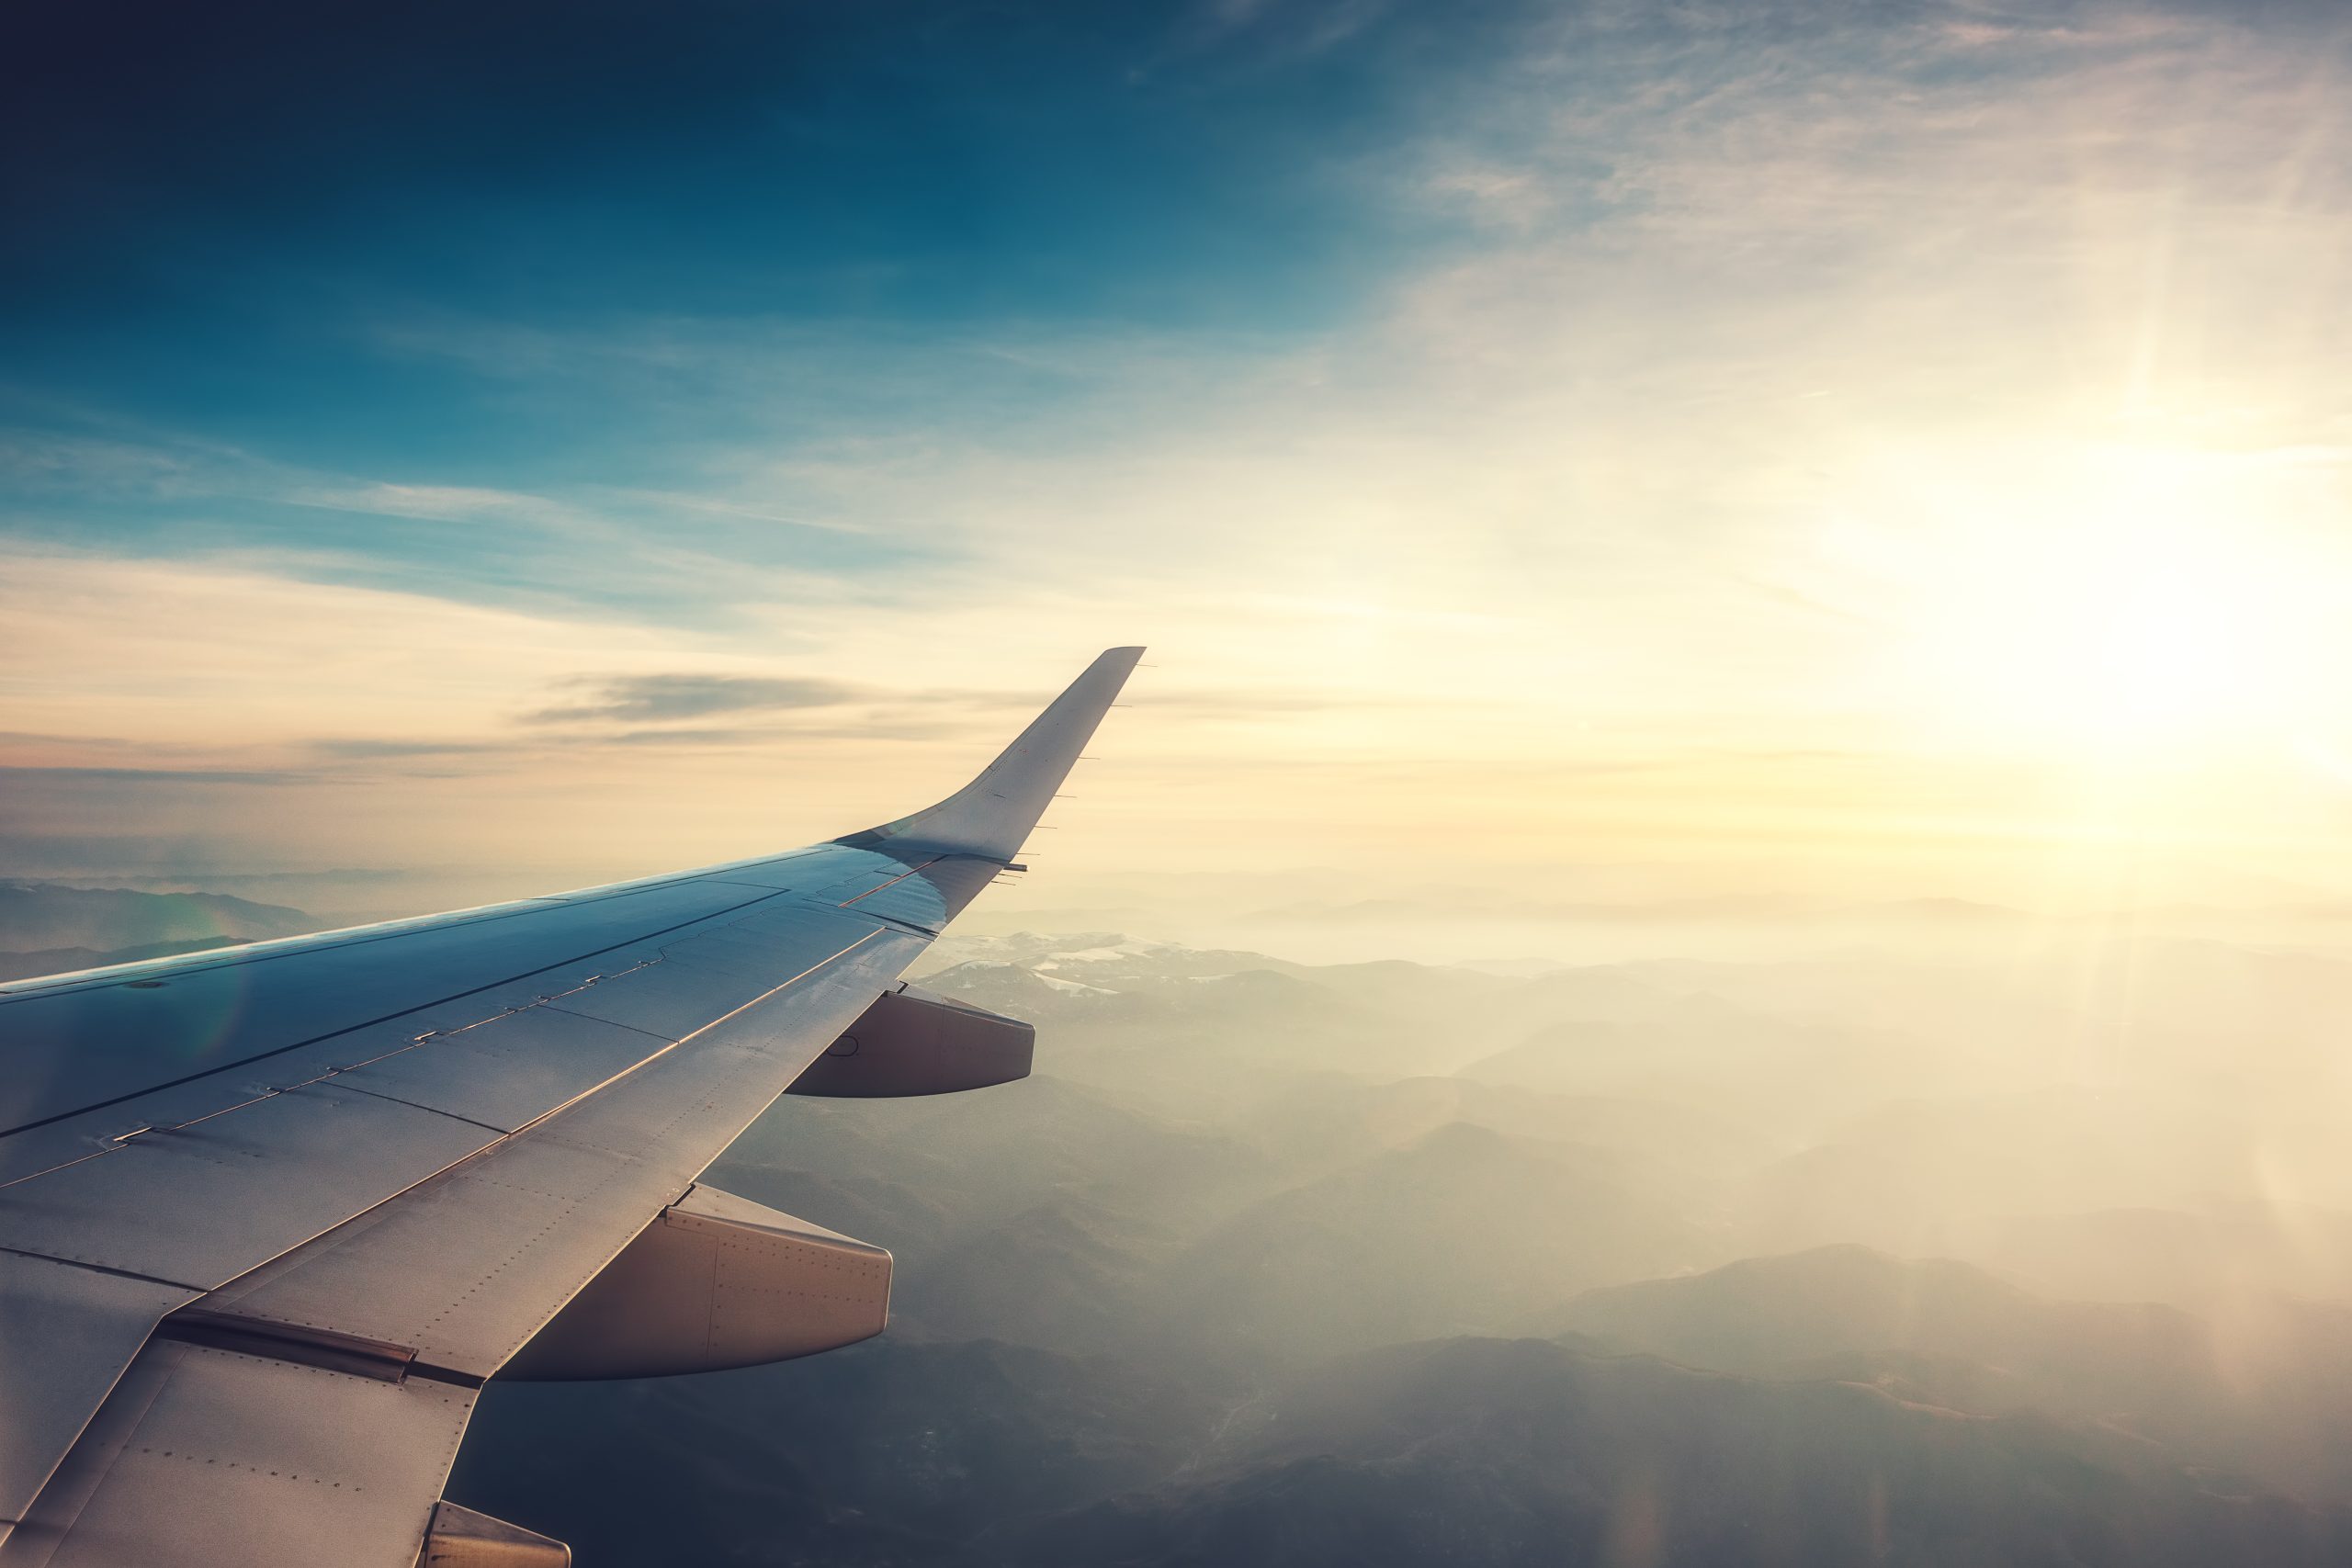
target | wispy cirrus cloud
[
  {"x": 457, "y": 503},
  {"x": 639, "y": 699},
  {"x": 162, "y": 777},
  {"x": 374, "y": 749}
]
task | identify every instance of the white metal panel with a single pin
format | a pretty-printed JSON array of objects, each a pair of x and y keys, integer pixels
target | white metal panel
[
  {"x": 700, "y": 979},
  {"x": 211, "y": 1459},
  {"x": 818, "y": 866},
  {"x": 248, "y": 952},
  {"x": 468, "y": 1267},
  {"x": 66, "y": 1333},
  {"x": 510, "y": 1070},
  {"x": 760, "y": 867},
  {"x": 724, "y": 947},
  {"x": 909, "y": 898},
  {"x": 74, "y": 1047},
  {"x": 199, "y": 1205},
  {"x": 668, "y": 1001},
  {"x": 957, "y": 880},
  {"x": 787, "y": 919},
  {"x": 77, "y": 1136},
  {"x": 870, "y": 870}
]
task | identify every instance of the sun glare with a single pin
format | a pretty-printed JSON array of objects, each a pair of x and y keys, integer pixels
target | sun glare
[
  {"x": 2156, "y": 620},
  {"x": 2134, "y": 644}
]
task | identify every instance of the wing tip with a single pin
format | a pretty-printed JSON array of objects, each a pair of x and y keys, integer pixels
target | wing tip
[{"x": 991, "y": 815}]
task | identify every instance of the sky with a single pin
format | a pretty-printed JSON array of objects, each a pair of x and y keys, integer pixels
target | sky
[{"x": 452, "y": 451}]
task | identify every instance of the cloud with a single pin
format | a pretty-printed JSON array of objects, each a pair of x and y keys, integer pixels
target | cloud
[
  {"x": 455, "y": 503},
  {"x": 637, "y": 699},
  {"x": 1276, "y": 702},
  {"x": 364, "y": 749},
  {"x": 161, "y": 777},
  {"x": 797, "y": 735},
  {"x": 34, "y": 462}
]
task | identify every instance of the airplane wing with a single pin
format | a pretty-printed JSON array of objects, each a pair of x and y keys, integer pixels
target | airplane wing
[{"x": 271, "y": 1215}]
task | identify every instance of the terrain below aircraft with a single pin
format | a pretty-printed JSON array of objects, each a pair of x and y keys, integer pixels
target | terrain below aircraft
[{"x": 271, "y": 1215}]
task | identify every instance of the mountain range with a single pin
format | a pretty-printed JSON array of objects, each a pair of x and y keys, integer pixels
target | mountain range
[{"x": 1824, "y": 1261}]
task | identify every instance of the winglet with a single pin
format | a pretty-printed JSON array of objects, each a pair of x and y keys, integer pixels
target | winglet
[{"x": 990, "y": 817}]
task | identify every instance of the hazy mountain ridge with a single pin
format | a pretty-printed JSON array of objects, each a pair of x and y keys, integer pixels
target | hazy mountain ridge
[
  {"x": 2267, "y": 1396},
  {"x": 1737, "y": 910},
  {"x": 1495, "y": 1451},
  {"x": 1311, "y": 1270},
  {"x": 66, "y": 960},
  {"x": 1459, "y": 1450},
  {"x": 48, "y": 928},
  {"x": 894, "y": 1453},
  {"x": 44, "y": 916}
]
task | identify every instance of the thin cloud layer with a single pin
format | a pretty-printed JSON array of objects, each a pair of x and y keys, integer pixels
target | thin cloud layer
[{"x": 642, "y": 698}]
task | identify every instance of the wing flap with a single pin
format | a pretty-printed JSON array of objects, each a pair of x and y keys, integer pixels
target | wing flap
[
  {"x": 206, "y": 1458},
  {"x": 66, "y": 1335}
]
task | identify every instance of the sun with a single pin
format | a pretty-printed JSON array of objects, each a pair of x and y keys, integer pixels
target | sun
[
  {"x": 2132, "y": 643},
  {"x": 2161, "y": 621}
]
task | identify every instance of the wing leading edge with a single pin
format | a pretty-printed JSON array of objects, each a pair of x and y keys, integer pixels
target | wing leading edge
[{"x": 254, "y": 1272}]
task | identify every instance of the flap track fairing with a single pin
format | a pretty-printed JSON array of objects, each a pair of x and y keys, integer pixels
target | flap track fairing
[
  {"x": 916, "y": 1042},
  {"x": 715, "y": 1281}
]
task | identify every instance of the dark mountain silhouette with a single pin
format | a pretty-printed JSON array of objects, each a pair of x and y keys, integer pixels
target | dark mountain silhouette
[
  {"x": 1505, "y": 1452},
  {"x": 891, "y": 1452},
  {"x": 2269, "y": 1396}
]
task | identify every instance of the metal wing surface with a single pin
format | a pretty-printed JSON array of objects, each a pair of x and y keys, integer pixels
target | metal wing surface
[{"x": 270, "y": 1216}]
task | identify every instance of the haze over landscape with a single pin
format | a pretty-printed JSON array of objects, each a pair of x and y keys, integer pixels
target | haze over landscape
[
  {"x": 1898, "y": 1250},
  {"x": 1720, "y": 930}
]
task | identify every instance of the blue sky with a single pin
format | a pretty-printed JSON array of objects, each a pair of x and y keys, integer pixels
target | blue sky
[
  {"x": 437, "y": 243},
  {"x": 1698, "y": 431}
]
